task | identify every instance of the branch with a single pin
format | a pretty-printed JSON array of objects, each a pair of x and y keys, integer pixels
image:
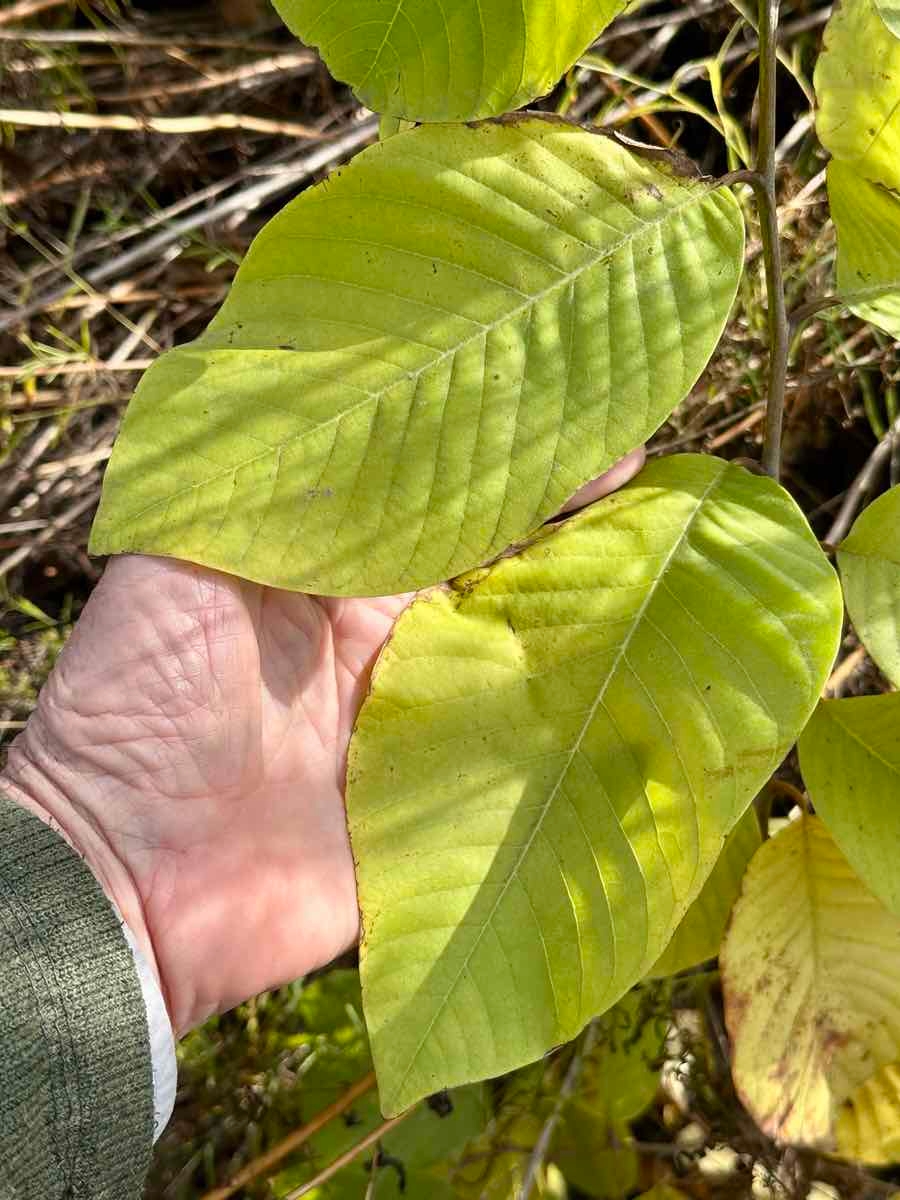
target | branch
[
  {"x": 877, "y": 291},
  {"x": 180, "y": 126},
  {"x": 569, "y": 1084},
  {"x": 344, "y": 1160},
  {"x": 293, "y": 1141},
  {"x": 862, "y": 485},
  {"x": 28, "y": 8},
  {"x": 779, "y": 331}
]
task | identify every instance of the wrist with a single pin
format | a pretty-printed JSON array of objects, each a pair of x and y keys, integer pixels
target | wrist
[{"x": 35, "y": 779}]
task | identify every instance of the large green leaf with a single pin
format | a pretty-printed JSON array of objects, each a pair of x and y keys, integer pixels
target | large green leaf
[
  {"x": 811, "y": 977},
  {"x": 867, "y": 220},
  {"x": 869, "y": 558},
  {"x": 857, "y": 83},
  {"x": 850, "y": 756},
  {"x": 422, "y": 358},
  {"x": 448, "y": 60},
  {"x": 554, "y": 751},
  {"x": 700, "y": 933}
]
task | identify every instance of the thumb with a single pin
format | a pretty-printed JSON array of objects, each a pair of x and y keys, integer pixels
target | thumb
[{"x": 610, "y": 481}]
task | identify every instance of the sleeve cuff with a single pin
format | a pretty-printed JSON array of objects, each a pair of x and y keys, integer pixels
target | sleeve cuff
[{"x": 163, "y": 1062}]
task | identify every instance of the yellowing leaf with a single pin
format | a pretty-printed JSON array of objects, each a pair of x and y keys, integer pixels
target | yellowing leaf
[
  {"x": 700, "y": 933},
  {"x": 553, "y": 752},
  {"x": 811, "y": 977},
  {"x": 850, "y": 757},
  {"x": 857, "y": 83},
  {"x": 867, "y": 220},
  {"x": 869, "y": 559},
  {"x": 430, "y": 61},
  {"x": 422, "y": 358},
  {"x": 868, "y": 1124}
]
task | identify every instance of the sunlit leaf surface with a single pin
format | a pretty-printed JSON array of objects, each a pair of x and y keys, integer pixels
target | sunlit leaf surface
[
  {"x": 430, "y": 60},
  {"x": 869, "y": 559},
  {"x": 850, "y": 757},
  {"x": 421, "y": 359},
  {"x": 554, "y": 752}
]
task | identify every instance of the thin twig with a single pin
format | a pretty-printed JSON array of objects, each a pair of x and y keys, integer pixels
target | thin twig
[
  {"x": 841, "y": 300},
  {"x": 243, "y": 74},
  {"x": 90, "y": 366},
  {"x": 842, "y": 672},
  {"x": 749, "y": 422},
  {"x": 26, "y": 9},
  {"x": 787, "y": 791},
  {"x": 127, "y": 293},
  {"x": 47, "y": 535},
  {"x": 754, "y": 178},
  {"x": 566, "y": 1091},
  {"x": 373, "y": 1175},
  {"x": 767, "y": 200},
  {"x": 17, "y": 473},
  {"x": 862, "y": 485},
  {"x": 679, "y": 16},
  {"x": 293, "y": 1141},
  {"x": 67, "y": 175},
  {"x": 129, "y": 37},
  {"x": 180, "y": 126},
  {"x": 696, "y": 70},
  {"x": 349, "y": 1156}
]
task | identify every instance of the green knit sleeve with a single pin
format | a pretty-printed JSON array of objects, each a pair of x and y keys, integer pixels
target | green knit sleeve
[{"x": 76, "y": 1090}]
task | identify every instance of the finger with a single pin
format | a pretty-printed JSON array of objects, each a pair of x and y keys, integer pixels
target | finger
[{"x": 610, "y": 481}]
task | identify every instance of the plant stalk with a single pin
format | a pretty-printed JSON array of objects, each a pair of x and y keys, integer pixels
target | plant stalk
[
  {"x": 767, "y": 204},
  {"x": 542, "y": 1146}
]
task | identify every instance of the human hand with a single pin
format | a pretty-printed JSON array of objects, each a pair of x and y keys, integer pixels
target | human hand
[{"x": 191, "y": 745}]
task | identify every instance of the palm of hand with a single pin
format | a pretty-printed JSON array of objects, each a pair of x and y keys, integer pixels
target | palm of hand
[
  {"x": 198, "y": 725},
  {"x": 191, "y": 745}
]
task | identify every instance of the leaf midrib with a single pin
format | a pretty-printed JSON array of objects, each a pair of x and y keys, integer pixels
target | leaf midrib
[
  {"x": 592, "y": 712},
  {"x": 407, "y": 377}
]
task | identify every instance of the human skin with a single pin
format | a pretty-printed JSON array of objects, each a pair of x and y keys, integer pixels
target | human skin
[{"x": 191, "y": 745}]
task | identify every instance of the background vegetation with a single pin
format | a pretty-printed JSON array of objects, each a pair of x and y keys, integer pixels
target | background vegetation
[{"x": 141, "y": 147}]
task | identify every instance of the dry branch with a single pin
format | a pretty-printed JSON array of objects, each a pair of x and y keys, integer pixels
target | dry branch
[
  {"x": 180, "y": 126},
  {"x": 27, "y": 9},
  {"x": 348, "y": 1156},
  {"x": 293, "y": 1141},
  {"x": 862, "y": 485}
]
